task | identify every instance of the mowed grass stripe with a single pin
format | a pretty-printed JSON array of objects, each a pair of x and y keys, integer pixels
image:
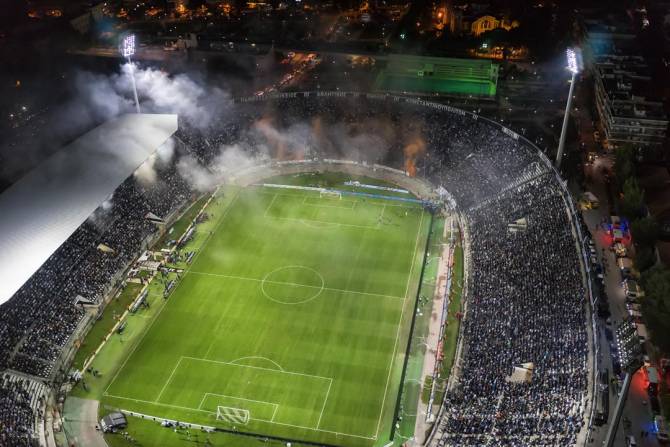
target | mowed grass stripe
[
  {"x": 348, "y": 333},
  {"x": 139, "y": 341}
]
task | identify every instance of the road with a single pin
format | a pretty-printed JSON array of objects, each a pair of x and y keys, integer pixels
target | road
[{"x": 637, "y": 410}]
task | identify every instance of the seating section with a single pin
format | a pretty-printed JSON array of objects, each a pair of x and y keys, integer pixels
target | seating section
[
  {"x": 21, "y": 404},
  {"x": 525, "y": 301}
]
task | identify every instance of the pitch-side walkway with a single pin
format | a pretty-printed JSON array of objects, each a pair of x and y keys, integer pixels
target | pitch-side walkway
[
  {"x": 432, "y": 340},
  {"x": 80, "y": 422}
]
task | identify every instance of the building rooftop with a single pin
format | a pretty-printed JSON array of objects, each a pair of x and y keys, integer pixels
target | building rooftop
[{"x": 627, "y": 81}]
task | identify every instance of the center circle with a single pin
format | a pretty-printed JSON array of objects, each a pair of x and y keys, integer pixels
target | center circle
[{"x": 293, "y": 284}]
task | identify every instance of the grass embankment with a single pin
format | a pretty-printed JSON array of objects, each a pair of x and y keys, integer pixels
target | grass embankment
[
  {"x": 411, "y": 389},
  {"x": 178, "y": 228},
  {"x": 450, "y": 334},
  {"x": 116, "y": 307}
]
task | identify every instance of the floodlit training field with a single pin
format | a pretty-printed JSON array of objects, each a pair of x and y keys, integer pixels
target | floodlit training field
[{"x": 292, "y": 321}]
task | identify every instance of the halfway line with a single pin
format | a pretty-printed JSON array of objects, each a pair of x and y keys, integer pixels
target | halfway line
[{"x": 295, "y": 284}]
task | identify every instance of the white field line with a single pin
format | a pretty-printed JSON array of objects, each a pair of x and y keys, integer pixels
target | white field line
[
  {"x": 258, "y": 357},
  {"x": 169, "y": 379},
  {"x": 397, "y": 336},
  {"x": 337, "y": 433},
  {"x": 295, "y": 285},
  {"x": 324, "y": 403},
  {"x": 357, "y": 200},
  {"x": 221, "y": 219},
  {"x": 380, "y": 218},
  {"x": 148, "y": 328},
  {"x": 320, "y": 205},
  {"x": 197, "y": 359},
  {"x": 303, "y": 220},
  {"x": 330, "y": 384},
  {"x": 265, "y": 214},
  {"x": 158, "y": 403},
  {"x": 202, "y": 401},
  {"x": 315, "y": 205},
  {"x": 239, "y": 398}
]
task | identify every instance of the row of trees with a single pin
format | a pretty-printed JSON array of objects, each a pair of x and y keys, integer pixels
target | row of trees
[{"x": 654, "y": 276}]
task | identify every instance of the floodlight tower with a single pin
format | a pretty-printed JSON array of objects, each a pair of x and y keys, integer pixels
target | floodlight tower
[
  {"x": 127, "y": 50},
  {"x": 575, "y": 65}
]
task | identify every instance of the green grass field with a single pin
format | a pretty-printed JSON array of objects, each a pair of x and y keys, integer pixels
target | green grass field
[{"x": 291, "y": 322}]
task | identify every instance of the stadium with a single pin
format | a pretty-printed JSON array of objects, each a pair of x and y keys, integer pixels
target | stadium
[{"x": 272, "y": 280}]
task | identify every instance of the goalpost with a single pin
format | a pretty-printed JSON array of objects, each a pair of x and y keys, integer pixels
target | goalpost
[
  {"x": 232, "y": 415},
  {"x": 327, "y": 193}
]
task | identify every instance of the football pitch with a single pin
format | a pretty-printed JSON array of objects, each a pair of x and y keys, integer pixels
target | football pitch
[{"x": 292, "y": 321}]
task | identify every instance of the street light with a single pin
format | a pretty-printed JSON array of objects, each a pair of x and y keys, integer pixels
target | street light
[
  {"x": 575, "y": 65},
  {"x": 127, "y": 50}
]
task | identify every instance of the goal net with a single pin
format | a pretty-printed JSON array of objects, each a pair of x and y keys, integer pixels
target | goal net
[
  {"x": 232, "y": 415},
  {"x": 325, "y": 193}
]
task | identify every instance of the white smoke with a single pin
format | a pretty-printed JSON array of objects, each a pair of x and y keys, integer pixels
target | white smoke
[
  {"x": 233, "y": 158},
  {"x": 200, "y": 178},
  {"x": 109, "y": 203},
  {"x": 165, "y": 153},
  {"x": 294, "y": 142},
  {"x": 230, "y": 160},
  {"x": 146, "y": 173},
  {"x": 97, "y": 98},
  {"x": 99, "y": 217},
  {"x": 159, "y": 92}
]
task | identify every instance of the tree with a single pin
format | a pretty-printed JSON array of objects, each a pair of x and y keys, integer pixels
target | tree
[
  {"x": 656, "y": 305},
  {"x": 633, "y": 198},
  {"x": 645, "y": 231},
  {"x": 623, "y": 164},
  {"x": 645, "y": 258},
  {"x": 656, "y": 283}
]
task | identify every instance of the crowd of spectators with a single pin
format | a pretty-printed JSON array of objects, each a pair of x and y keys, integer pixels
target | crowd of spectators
[
  {"x": 21, "y": 402},
  {"x": 526, "y": 305},
  {"x": 525, "y": 289},
  {"x": 38, "y": 321},
  {"x": 525, "y": 293}
]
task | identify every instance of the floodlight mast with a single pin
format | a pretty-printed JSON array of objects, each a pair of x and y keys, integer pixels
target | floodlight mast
[
  {"x": 574, "y": 66},
  {"x": 127, "y": 50}
]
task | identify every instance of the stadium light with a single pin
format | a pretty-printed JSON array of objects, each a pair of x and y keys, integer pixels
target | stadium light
[
  {"x": 128, "y": 50},
  {"x": 572, "y": 60},
  {"x": 574, "y": 57}
]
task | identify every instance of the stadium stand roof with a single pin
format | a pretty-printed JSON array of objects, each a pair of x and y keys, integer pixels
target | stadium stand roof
[{"x": 42, "y": 209}]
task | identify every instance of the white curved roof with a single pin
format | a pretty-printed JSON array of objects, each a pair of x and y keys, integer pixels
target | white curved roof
[{"x": 41, "y": 210}]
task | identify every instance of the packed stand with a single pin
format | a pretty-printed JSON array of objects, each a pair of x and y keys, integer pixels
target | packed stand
[
  {"x": 21, "y": 404},
  {"x": 525, "y": 291},
  {"x": 526, "y": 305},
  {"x": 38, "y": 321},
  {"x": 526, "y": 296}
]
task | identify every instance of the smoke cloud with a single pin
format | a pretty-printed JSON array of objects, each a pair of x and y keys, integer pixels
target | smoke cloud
[
  {"x": 146, "y": 173},
  {"x": 97, "y": 98},
  {"x": 412, "y": 150},
  {"x": 195, "y": 102},
  {"x": 229, "y": 160}
]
